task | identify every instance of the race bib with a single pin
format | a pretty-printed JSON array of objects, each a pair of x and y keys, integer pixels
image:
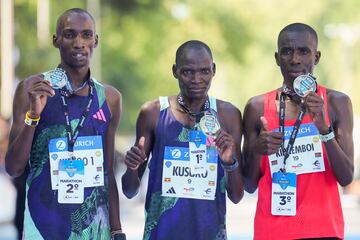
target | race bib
[
  {"x": 197, "y": 151},
  {"x": 89, "y": 149},
  {"x": 283, "y": 197},
  {"x": 180, "y": 181},
  {"x": 71, "y": 181},
  {"x": 306, "y": 155}
]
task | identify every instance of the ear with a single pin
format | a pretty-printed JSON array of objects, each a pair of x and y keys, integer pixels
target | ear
[
  {"x": 276, "y": 55},
  {"x": 174, "y": 68},
  {"x": 96, "y": 41},
  {"x": 317, "y": 57},
  {"x": 55, "y": 41},
  {"x": 214, "y": 69}
]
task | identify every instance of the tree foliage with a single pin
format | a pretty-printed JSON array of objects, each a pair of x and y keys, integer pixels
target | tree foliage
[{"x": 139, "y": 38}]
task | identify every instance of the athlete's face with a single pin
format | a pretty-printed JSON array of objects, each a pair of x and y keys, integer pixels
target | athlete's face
[
  {"x": 297, "y": 54},
  {"x": 194, "y": 72},
  {"x": 76, "y": 40}
]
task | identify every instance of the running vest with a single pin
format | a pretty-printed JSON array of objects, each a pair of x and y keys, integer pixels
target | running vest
[
  {"x": 174, "y": 217},
  {"x": 45, "y": 217},
  {"x": 318, "y": 212}
]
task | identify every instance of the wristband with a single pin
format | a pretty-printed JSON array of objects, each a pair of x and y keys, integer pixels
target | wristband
[
  {"x": 232, "y": 167},
  {"x": 33, "y": 122},
  {"x": 328, "y": 136},
  {"x": 118, "y": 235}
]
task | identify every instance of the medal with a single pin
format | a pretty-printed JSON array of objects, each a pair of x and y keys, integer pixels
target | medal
[
  {"x": 209, "y": 124},
  {"x": 304, "y": 84},
  {"x": 57, "y": 78}
]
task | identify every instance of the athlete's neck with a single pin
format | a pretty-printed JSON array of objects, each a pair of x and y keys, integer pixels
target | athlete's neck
[
  {"x": 77, "y": 76},
  {"x": 288, "y": 84},
  {"x": 194, "y": 104}
]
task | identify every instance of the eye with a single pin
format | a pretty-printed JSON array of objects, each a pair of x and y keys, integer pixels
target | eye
[
  {"x": 205, "y": 71},
  {"x": 286, "y": 51},
  {"x": 304, "y": 51},
  {"x": 68, "y": 34},
  {"x": 188, "y": 72},
  {"x": 87, "y": 34}
]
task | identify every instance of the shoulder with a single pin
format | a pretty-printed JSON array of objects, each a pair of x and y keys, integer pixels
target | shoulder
[
  {"x": 254, "y": 109},
  {"x": 255, "y": 105},
  {"x": 229, "y": 115},
  {"x": 150, "y": 108},
  {"x": 225, "y": 108},
  {"x": 113, "y": 100},
  {"x": 111, "y": 93},
  {"x": 149, "y": 115},
  {"x": 339, "y": 105},
  {"x": 335, "y": 97}
]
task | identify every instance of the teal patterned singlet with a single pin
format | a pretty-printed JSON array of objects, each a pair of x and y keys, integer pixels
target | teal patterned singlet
[
  {"x": 180, "y": 218},
  {"x": 45, "y": 218}
]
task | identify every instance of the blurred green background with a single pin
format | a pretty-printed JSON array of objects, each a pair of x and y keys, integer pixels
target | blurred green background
[{"x": 138, "y": 40}]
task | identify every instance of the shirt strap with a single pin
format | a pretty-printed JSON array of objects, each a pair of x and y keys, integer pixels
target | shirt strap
[
  {"x": 212, "y": 101},
  {"x": 164, "y": 102}
]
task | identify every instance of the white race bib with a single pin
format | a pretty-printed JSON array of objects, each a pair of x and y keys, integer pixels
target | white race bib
[
  {"x": 71, "y": 181},
  {"x": 306, "y": 155},
  {"x": 180, "y": 181},
  {"x": 283, "y": 194},
  {"x": 197, "y": 151},
  {"x": 89, "y": 149}
]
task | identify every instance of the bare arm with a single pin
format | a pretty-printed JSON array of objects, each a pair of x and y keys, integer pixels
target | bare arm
[
  {"x": 251, "y": 165},
  {"x": 229, "y": 145},
  {"x": 31, "y": 95},
  {"x": 113, "y": 98},
  {"x": 340, "y": 150},
  {"x": 136, "y": 157},
  {"x": 258, "y": 141}
]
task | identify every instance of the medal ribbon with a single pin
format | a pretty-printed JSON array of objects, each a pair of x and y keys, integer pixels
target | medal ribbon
[
  {"x": 70, "y": 135},
  {"x": 295, "y": 129}
]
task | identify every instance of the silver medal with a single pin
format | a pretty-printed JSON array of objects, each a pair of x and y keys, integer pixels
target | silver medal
[
  {"x": 304, "y": 84},
  {"x": 57, "y": 78},
  {"x": 209, "y": 124}
]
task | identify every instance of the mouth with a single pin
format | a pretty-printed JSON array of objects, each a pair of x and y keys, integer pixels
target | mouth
[
  {"x": 80, "y": 56},
  {"x": 197, "y": 90},
  {"x": 295, "y": 74}
]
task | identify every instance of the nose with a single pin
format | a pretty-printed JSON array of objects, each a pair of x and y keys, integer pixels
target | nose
[
  {"x": 198, "y": 76},
  {"x": 78, "y": 42},
  {"x": 295, "y": 59}
]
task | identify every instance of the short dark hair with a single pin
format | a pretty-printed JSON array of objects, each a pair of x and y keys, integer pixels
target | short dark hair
[
  {"x": 192, "y": 44},
  {"x": 61, "y": 19},
  {"x": 298, "y": 27}
]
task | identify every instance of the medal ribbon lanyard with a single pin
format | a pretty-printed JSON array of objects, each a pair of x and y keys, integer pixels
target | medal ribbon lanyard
[
  {"x": 294, "y": 131},
  {"x": 196, "y": 115},
  {"x": 70, "y": 135}
]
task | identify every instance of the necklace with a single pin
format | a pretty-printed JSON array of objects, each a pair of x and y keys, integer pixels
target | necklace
[
  {"x": 288, "y": 92},
  {"x": 190, "y": 113},
  {"x": 79, "y": 88}
]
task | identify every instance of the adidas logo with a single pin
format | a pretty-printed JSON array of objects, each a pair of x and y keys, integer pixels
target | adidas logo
[
  {"x": 171, "y": 191},
  {"x": 99, "y": 115}
]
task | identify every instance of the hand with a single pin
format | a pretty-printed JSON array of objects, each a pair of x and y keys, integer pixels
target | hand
[
  {"x": 315, "y": 106},
  {"x": 225, "y": 145},
  {"x": 38, "y": 92},
  {"x": 267, "y": 142},
  {"x": 136, "y": 155}
]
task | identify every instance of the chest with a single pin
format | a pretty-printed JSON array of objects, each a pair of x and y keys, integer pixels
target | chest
[{"x": 292, "y": 109}]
